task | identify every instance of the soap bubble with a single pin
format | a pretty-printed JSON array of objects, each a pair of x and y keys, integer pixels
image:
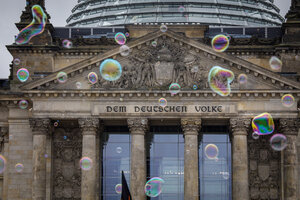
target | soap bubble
[
  {"x": 36, "y": 26},
  {"x": 23, "y": 74},
  {"x": 263, "y": 124},
  {"x": 195, "y": 87},
  {"x": 119, "y": 149},
  {"x": 127, "y": 34},
  {"x": 242, "y": 79},
  {"x": 120, "y": 38},
  {"x": 288, "y": 100},
  {"x": 62, "y": 77},
  {"x": 255, "y": 135},
  {"x": 118, "y": 188},
  {"x": 85, "y": 163},
  {"x": 153, "y": 187},
  {"x": 124, "y": 50},
  {"x": 55, "y": 124},
  {"x": 181, "y": 9},
  {"x": 211, "y": 151},
  {"x": 2, "y": 164},
  {"x": 163, "y": 28},
  {"x": 65, "y": 137},
  {"x": 17, "y": 61},
  {"x": 220, "y": 43},
  {"x": 275, "y": 63},
  {"x": 67, "y": 44},
  {"x": 93, "y": 77},
  {"x": 110, "y": 70},
  {"x": 225, "y": 175},
  {"x": 78, "y": 85},
  {"x": 19, "y": 167},
  {"x": 23, "y": 104},
  {"x": 219, "y": 80},
  {"x": 195, "y": 69},
  {"x": 278, "y": 142},
  {"x": 154, "y": 43},
  {"x": 162, "y": 102},
  {"x": 174, "y": 88}
]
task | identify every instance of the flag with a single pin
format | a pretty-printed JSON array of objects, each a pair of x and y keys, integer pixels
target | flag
[{"x": 125, "y": 190}]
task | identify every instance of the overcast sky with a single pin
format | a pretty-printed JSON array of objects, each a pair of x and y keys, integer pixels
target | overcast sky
[{"x": 10, "y": 12}]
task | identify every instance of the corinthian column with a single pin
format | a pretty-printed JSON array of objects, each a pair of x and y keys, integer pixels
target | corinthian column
[
  {"x": 191, "y": 172},
  {"x": 138, "y": 127},
  {"x": 240, "y": 182},
  {"x": 89, "y": 128},
  {"x": 40, "y": 128},
  {"x": 289, "y": 128}
]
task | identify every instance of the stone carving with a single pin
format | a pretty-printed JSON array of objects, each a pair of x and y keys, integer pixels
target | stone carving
[
  {"x": 67, "y": 145},
  {"x": 294, "y": 12},
  {"x": 239, "y": 125},
  {"x": 89, "y": 125},
  {"x": 190, "y": 126},
  {"x": 39, "y": 126},
  {"x": 264, "y": 169},
  {"x": 3, "y": 137},
  {"x": 137, "y": 125},
  {"x": 289, "y": 126}
]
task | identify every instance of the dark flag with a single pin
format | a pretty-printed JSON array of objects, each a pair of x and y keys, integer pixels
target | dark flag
[{"x": 125, "y": 190}]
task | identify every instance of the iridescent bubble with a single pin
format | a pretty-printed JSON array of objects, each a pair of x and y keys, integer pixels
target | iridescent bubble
[
  {"x": 2, "y": 164},
  {"x": 23, "y": 104},
  {"x": 78, "y": 85},
  {"x": 124, "y": 50},
  {"x": 119, "y": 149},
  {"x": 36, "y": 27},
  {"x": 62, "y": 77},
  {"x": 19, "y": 167},
  {"x": 181, "y": 8},
  {"x": 46, "y": 156},
  {"x": 23, "y": 74},
  {"x": 275, "y": 63},
  {"x": 220, "y": 43},
  {"x": 67, "y": 44},
  {"x": 288, "y": 100},
  {"x": 162, "y": 102},
  {"x": 118, "y": 188},
  {"x": 17, "y": 61},
  {"x": 110, "y": 70},
  {"x": 154, "y": 43},
  {"x": 263, "y": 124},
  {"x": 278, "y": 142},
  {"x": 255, "y": 135},
  {"x": 120, "y": 38},
  {"x": 93, "y": 77},
  {"x": 65, "y": 137},
  {"x": 219, "y": 80},
  {"x": 174, "y": 88},
  {"x": 154, "y": 186},
  {"x": 55, "y": 124},
  {"x": 242, "y": 79},
  {"x": 195, "y": 87},
  {"x": 127, "y": 34},
  {"x": 163, "y": 28},
  {"x": 85, "y": 163},
  {"x": 211, "y": 151}
]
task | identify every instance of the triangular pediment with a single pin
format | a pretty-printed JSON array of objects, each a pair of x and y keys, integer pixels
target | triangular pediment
[{"x": 176, "y": 58}]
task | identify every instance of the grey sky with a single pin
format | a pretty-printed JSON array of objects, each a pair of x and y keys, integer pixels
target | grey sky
[{"x": 10, "y": 12}]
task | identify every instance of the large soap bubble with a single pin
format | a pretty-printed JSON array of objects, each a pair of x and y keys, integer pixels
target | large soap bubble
[
  {"x": 287, "y": 100},
  {"x": 153, "y": 187},
  {"x": 118, "y": 188},
  {"x": 110, "y": 70},
  {"x": 219, "y": 80},
  {"x": 275, "y": 63},
  {"x": 220, "y": 43},
  {"x": 120, "y": 38},
  {"x": 263, "y": 124},
  {"x": 211, "y": 151},
  {"x": 278, "y": 142},
  {"x": 23, "y": 74}
]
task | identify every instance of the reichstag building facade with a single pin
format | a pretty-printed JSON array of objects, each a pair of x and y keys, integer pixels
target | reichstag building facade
[{"x": 121, "y": 126}]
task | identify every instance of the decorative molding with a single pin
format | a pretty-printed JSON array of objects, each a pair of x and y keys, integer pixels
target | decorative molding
[
  {"x": 4, "y": 137},
  {"x": 138, "y": 126},
  {"x": 289, "y": 126},
  {"x": 39, "y": 126},
  {"x": 89, "y": 126},
  {"x": 190, "y": 126},
  {"x": 239, "y": 126}
]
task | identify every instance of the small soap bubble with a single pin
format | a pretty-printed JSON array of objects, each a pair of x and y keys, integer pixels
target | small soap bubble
[
  {"x": 275, "y": 63},
  {"x": 119, "y": 149},
  {"x": 219, "y": 80},
  {"x": 174, "y": 88},
  {"x": 62, "y": 77},
  {"x": 118, "y": 188},
  {"x": 220, "y": 43},
  {"x": 19, "y": 167},
  {"x": 86, "y": 163},
  {"x": 93, "y": 77},
  {"x": 162, "y": 102},
  {"x": 127, "y": 34},
  {"x": 211, "y": 151},
  {"x": 2, "y": 164},
  {"x": 278, "y": 142},
  {"x": 120, "y": 38},
  {"x": 23, "y": 104},
  {"x": 154, "y": 187},
  {"x": 242, "y": 79},
  {"x": 154, "y": 43},
  {"x": 65, "y": 137},
  {"x": 46, "y": 156},
  {"x": 225, "y": 175},
  {"x": 55, "y": 124},
  {"x": 195, "y": 87},
  {"x": 23, "y": 74},
  {"x": 110, "y": 70},
  {"x": 163, "y": 28},
  {"x": 263, "y": 124},
  {"x": 255, "y": 135},
  {"x": 67, "y": 44},
  {"x": 78, "y": 85},
  {"x": 124, "y": 50},
  {"x": 181, "y": 9},
  {"x": 287, "y": 100},
  {"x": 17, "y": 61}
]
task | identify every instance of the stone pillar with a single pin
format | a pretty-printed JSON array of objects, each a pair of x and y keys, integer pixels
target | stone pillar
[
  {"x": 40, "y": 128},
  {"x": 191, "y": 171},
  {"x": 289, "y": 128},
  {"x": 240, "y": 181},
  {"x": 138, "y": 127},
  {"x": 5, "y": 149},
  {"x": 89, "y": 128}
]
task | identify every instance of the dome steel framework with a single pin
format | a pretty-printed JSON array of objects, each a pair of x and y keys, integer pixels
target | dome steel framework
[{"x": 99, "y": 13}]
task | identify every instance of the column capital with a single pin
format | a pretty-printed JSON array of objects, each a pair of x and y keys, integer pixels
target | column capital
[
  {"x": 89, "y": 126},
  {"x": 289, "y": 126},
  {"x": 138, "y": 125},
  {"x": 239, "y": 126},
  {"x": 190, "y": 126},
  {"x": 40, "y": 126}
]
